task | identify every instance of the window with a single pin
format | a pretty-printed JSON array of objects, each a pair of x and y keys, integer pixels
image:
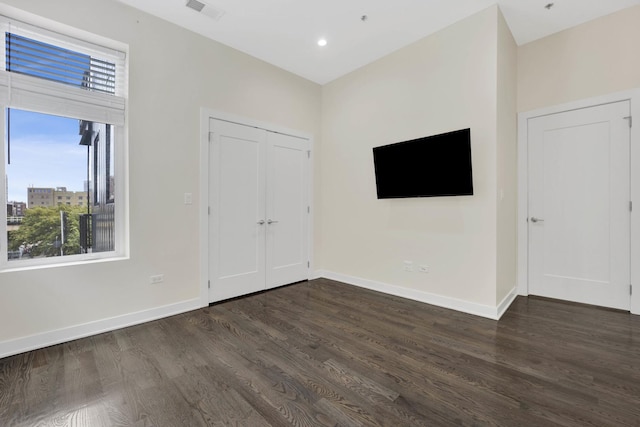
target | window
[
  {"x": 50, "y": 62},
  {"x": 64, "y": 146}
]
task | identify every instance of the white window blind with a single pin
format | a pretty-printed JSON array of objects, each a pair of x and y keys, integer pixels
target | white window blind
[
  {"x": 52, "y": 73},
  {"x": 46, "y": 61}
]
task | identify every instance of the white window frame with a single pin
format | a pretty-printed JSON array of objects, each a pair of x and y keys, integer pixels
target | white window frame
[{"x": 34, "y": 94}]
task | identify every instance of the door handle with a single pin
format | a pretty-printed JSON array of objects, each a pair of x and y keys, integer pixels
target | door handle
[
  {"x": 269, "y": 221},
  {"x": 534, "y": 219},
  {"x": 261, "y": 222}
]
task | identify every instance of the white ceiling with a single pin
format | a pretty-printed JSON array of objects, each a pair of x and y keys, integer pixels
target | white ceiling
[{"x": 285, "y": 32}]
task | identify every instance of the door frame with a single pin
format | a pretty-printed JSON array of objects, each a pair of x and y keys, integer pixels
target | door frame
[
  {"x": 205, "y": 115},
  {"x": 633, "y": 96}
]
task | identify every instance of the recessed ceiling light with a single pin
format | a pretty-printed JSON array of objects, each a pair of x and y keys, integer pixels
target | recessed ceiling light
[{"x": 322, "y": 42}]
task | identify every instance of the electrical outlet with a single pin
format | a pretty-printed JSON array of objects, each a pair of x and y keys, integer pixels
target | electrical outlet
[
  {"x": 159, "y": 278},
  {"x": 408, "y": 266},
  {"x": 423, "y": 269}
]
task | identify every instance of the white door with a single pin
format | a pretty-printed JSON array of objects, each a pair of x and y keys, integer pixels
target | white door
[
  {"x": 287, "y": 209},
  {"x": 258, "y": 197},
  {"x": 579, "y": 216},
  {"x": 237, "y": 202}
]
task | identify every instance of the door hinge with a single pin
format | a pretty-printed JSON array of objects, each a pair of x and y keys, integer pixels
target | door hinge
[
  {"x": 630, "y": 290},
  {"x": 308, "y": 264},
  {"x": 209, "y": 136},
  {"x": 630, "y": 120},
  {"x": 209, "y": 283},
  {"x": 309, "y": 154},
  {"x": 208, "y": 210},
  {"x": 308, "y": 209},
  {"x": 630, "y": 206}
]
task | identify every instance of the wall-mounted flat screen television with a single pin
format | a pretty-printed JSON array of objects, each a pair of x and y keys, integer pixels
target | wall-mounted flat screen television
[{"x": 438, "y": 165}]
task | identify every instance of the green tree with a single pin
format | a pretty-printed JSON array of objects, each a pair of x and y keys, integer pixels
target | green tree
[{"x": 41, "y": 228}]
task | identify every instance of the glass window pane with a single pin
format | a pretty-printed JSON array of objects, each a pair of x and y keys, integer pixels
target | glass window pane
[{"x": 57, "y": 170}]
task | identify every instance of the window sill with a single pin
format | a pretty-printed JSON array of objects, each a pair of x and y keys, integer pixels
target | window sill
[{"x": 28, "y": 266}]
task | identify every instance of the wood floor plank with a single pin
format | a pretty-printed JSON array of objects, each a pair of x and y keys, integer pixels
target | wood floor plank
[{"x": 322, "y": 353}]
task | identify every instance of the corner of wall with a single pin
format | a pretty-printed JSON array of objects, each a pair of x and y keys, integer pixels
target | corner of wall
[{"x": 506, "y": 160}]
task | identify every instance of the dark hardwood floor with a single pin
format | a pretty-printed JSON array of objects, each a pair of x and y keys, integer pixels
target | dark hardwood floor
[{"x": 324, "y": 354}]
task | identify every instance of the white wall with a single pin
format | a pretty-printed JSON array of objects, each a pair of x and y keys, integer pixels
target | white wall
[
  {"x": 592, "y": 59},
  {"x": 173, "y": 73},
  {"x": 444, "y": 82}
]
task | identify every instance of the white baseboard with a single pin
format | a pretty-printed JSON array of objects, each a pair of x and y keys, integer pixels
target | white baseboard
[
  {"x": 45, "y": 339},
  {"x": 316, "y": 274},
  {"x": 487, "y": 311},
  {"x": 507, "y": 301}
]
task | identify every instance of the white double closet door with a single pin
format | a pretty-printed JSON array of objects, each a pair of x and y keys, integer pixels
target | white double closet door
[{"x": 259, "y": 209}]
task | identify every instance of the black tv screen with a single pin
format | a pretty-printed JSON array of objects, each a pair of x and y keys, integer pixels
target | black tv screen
[{"x": 438, "y": 165}]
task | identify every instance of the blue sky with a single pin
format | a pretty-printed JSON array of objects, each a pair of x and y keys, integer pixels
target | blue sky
[{"x": 44, "y": 153}]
